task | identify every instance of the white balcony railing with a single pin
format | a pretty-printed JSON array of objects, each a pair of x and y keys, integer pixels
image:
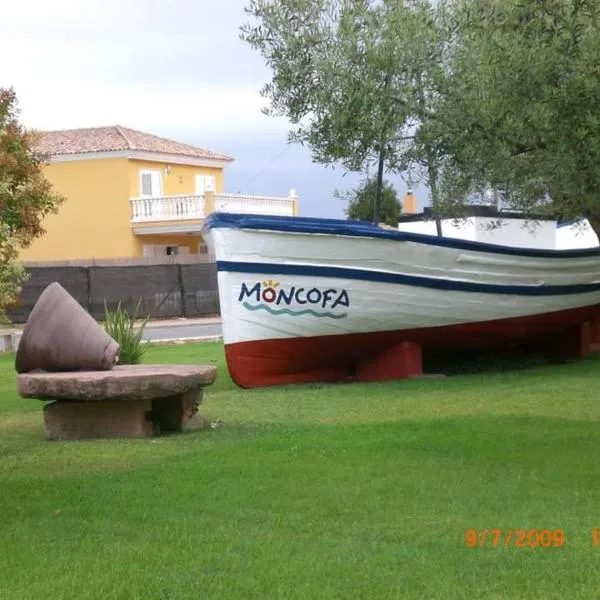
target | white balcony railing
[
  {"x": 167, "y": 208},
  {"x": 261, "y": 205},
  {"x": 178, "y": 208}
]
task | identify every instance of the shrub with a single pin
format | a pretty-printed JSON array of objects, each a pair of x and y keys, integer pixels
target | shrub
[{"x": 120, "y": 325}]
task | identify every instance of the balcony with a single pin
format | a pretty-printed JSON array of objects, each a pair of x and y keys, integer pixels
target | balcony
[
  {"x": 196, "y": 207},
  {"x": 167, "y": 208}
]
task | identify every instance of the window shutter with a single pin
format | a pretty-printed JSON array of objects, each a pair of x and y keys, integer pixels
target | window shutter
[
  {"x": 146, "y": 184},
  {"x": 150, "y": 184},
  {"x": 156, "y": 184},
  {"x": 209, "y": 184}
]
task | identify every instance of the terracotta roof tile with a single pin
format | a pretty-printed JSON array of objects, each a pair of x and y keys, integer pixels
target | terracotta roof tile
[{"x": 106, "y": 139}]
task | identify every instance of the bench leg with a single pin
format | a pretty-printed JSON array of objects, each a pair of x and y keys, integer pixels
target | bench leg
[
  {"x": 66, "y": 420},
  {"x": 177, "y": 413}
]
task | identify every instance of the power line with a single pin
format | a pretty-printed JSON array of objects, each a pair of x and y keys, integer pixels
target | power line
[{"x": 270, "y": 163}]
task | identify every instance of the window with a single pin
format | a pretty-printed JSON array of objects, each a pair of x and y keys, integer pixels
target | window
[
  {"x": 205, "y": 183},
  {"x": 151, "y": 250},
  {"x": 150, "y": 184}
]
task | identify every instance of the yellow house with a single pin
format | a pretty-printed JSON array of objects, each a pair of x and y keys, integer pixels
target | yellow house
[{"x": 132, "y": 194}]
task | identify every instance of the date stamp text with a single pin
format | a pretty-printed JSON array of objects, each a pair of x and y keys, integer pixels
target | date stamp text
[{"x": 521, "y": 538}]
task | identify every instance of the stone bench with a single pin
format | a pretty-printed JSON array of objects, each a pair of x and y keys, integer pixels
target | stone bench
[{"x": 125, "y": 401}]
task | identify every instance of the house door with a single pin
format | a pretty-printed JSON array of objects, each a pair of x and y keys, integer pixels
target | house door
[{"x": 204, "y": 183}]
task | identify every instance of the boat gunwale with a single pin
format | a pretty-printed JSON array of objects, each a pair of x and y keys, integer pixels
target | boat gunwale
[{"x": 342, "y": 228}]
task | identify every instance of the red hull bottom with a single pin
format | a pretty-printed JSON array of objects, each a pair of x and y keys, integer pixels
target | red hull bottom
[{"x": 385, "y": 355}]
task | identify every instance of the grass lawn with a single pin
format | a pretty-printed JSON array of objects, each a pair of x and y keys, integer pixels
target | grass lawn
[{"x": 315, "y": 491}]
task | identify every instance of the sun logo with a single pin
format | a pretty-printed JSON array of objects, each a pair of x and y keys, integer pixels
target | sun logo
[{"x": 269, "y": 294}]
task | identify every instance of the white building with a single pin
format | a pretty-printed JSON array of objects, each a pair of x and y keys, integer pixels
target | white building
[{"x": 504, "y": 228}]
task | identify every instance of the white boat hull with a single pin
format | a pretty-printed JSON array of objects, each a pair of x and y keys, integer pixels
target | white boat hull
[{"x": 287, "y": 281}]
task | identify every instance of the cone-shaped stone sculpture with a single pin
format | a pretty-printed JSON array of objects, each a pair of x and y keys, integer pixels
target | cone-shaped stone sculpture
[{"x": 61, "y": 336}]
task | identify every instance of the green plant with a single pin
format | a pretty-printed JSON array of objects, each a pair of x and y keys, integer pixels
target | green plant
[{"x": 120, "y": 325}]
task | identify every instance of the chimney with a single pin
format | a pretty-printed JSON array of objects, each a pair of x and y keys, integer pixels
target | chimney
[{"x": 409, "y": 203}]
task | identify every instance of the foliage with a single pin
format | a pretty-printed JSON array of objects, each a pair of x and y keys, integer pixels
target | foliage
[
  {"x": 121, "y": 326},
  {"x": 26, "y": 196},
  {"x": 360, "y": 486},
  {"x": 467, "y": 96},
  {"x": 12, "y": 275},
  {"x": 360, "y": 202},
  {"x": 522, "y": 114},
  {"x": 355, "y": 78}
]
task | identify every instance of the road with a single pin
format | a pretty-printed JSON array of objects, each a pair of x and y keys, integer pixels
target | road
[
  {"x": 179, "y": 330},
  {"x": 161, "y": 330}
]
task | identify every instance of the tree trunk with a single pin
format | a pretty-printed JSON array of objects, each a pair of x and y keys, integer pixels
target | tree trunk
[
  {"x": 432, "y": 173},
  {"x": 430, "y": 157},
  {"x": 379, "y": 192},
  {"x": 594, "y": 220}
]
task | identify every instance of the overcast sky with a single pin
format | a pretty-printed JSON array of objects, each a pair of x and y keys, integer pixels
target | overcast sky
[{"x": 175, "y": 68}]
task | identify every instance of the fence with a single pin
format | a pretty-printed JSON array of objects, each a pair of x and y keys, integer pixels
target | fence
[{"x": 167, "y": 290}]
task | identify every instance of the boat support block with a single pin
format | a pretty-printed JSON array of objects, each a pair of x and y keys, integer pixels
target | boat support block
[
  {"x": 572, "y": 344},
  {"x": 400, "y": 361}
]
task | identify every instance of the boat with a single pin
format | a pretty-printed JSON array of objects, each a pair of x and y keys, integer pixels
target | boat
[{"x": 312, "y": 300}]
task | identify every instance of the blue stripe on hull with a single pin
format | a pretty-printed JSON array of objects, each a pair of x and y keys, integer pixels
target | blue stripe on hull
[{"x": 398, "y": 278}]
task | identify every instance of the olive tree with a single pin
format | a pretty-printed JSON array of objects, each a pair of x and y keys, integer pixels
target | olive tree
[{"x": 356, "y": 78}]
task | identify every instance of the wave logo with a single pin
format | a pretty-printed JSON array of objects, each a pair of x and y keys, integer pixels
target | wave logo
[{"x": 276, "y": 300}]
